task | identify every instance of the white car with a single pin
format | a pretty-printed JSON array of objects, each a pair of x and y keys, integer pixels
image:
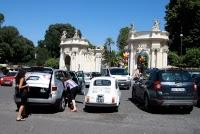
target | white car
[{"x": 103, "y": 92}]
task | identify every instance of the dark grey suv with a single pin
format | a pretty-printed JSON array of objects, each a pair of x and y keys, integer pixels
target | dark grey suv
[{"x": 166, "y": 87}]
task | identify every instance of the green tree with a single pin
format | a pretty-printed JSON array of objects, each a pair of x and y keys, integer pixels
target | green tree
[
  {"x": 14, "y": 48},
  {"x": 6, "y": 52},
  {"x": 122, "y": 39},
  {"x": 53, "y": 35},
  {"x": 192, "y": 57},
  {"x": 23, "y": 50},
  {"x": 1, "y": 19},
  {"x": 115, "y": 58},
  {"x": 183, "y": 17},
  {"x": 42, "y": 55},
  {"x": 107, "y": 51},
  {"x": 52, "y": 62},
  {"x": 9, "y": 34},
  {"x": 174, "y": 59}
]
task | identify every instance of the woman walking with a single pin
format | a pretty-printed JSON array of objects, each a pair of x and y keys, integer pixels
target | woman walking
[{"x": 22, "y": 89}]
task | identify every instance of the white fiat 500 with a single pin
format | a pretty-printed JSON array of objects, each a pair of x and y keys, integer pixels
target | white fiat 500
[{"x": 103, "y": 92}]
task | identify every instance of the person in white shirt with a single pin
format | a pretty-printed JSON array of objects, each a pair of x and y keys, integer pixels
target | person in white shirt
[
  {"x": 136, "y": 74},
  {"x": 72, "y": 88}
]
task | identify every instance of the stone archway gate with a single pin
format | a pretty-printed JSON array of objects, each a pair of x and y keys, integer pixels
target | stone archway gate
[{"x": 154, "y": 43}]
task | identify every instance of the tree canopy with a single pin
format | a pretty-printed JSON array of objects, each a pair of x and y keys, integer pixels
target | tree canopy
[
  {"x": 14, "y": 48},
  {"x": 183, "y": 19},
  {"x": 52, "y": 38},
  {"x": 122, "y": 38},
  {"x": 1, "y": 19}
]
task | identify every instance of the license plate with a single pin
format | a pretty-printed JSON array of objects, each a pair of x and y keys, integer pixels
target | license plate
[
  {"x": 100, "y": 99},
  {"x": 7, "y": 82},
  {"x": 178, "y": 89}
]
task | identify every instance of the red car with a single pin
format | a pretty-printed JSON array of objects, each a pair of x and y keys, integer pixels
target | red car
[
  {"x": 1, "y": 75},
  {"x": 8, "y": 79}
]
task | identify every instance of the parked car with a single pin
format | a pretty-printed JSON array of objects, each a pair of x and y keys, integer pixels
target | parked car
[
  {"x": 9, "y": 78},
  {"x": 1, "y": 75},
  {"x": 46, "y": 87},
  {"x": 103, "y": 92},
  {"x": 88, "y": 77},
  {"x": 197, "y": 81},
  {"x": 121, "y": 74},
  {"x": 166, "y": 87}
]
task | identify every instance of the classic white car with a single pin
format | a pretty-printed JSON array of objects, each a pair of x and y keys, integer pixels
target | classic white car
[{"x": 103, "y": 92}]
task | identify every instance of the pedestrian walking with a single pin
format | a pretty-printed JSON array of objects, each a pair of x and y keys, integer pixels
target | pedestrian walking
[
  {"x": 72, "y": 89},
  {"x": 22, "y": 93}
]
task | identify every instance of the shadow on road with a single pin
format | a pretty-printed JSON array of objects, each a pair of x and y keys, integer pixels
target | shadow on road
[
  {"x": 159, "y": 109},
  {"x": 99, "y": 110},
  {"x": 41, "y": 110}
]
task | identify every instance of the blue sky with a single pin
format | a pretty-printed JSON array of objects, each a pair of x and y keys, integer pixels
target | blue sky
[{"x": 97, "y": 19}]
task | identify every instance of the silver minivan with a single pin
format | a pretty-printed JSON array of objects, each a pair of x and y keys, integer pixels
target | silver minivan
[{"x": 45, "y": 87}]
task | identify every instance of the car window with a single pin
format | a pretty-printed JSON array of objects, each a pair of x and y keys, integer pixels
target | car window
[
  {"x": 118, "y": 71},
  {"x": 175, "y": 76},
  {"x": 59, "y": 75},
  {"x": 11, "y": 73},
  {"x": 40, "y": 70},
  {"x": 102, "y": 83}
]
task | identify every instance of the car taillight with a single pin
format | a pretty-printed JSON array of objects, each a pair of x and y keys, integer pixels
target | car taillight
[
  {"x": 157, "y": 85},
  {"x": 194, "y": 87},
  {"x": 87, "y": 99},
  {"x": 54, "y": 88},
  {"x": 113, "y": 99}
]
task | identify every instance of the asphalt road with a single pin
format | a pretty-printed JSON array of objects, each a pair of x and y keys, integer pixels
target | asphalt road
[{"x": 130, "y": 119}]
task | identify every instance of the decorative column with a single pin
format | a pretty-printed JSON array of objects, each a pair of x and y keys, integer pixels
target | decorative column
[
  {"x": 131, "y": 59},
  {"x": 75, "y": 53},
  {"x": 165, "y": 51},
  {"x": 158, "y": 58},
  {"x": 153, "y": 65},
  {"x": 62, "y": 60},
  {"x": 98, "y": 62}
]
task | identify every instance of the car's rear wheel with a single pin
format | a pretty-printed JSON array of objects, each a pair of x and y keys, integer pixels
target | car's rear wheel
[
  {"x": 133, "y": 94},
  {"x": 188, "y": 109},
  {"x": 87, "y": 108},
  {"x": 116, "y": 108},
  {"x": 62, "y": 104},
  {"x": 146, "y": 103}
]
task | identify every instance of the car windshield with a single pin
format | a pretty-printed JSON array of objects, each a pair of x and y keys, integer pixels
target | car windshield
[
  {"x": 170, "y": 76},
  {"x": 40, "y": 70},
  {"x": 118, "y": 71},
  {"x": 102, "y": 83},
  {"x": 11, "y": 73}
]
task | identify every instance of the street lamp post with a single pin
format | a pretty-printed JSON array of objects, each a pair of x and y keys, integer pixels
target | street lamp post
[{"x": 181, "y": 35}]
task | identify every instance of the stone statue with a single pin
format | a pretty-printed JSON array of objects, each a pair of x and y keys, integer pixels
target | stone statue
[
  {"x": 132, "y": 28},
  {"x": 156, "y": 26},
  {"x": 63, "y": 37},
  {"x": 76, "y": 34}
]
